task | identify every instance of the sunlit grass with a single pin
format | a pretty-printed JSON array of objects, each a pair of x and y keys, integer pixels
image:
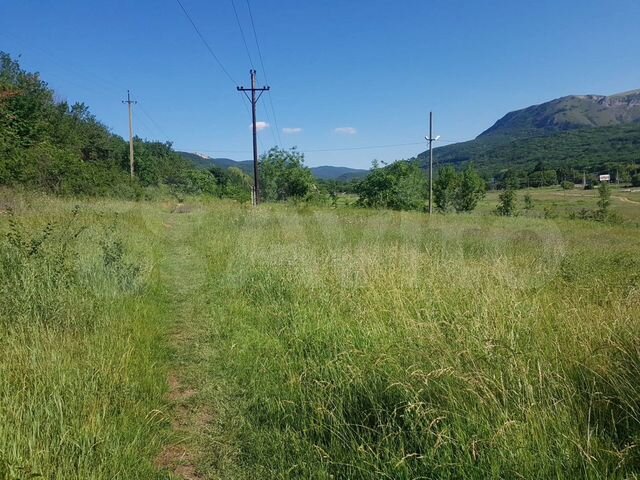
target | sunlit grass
[{"x": 323, "y": 343}]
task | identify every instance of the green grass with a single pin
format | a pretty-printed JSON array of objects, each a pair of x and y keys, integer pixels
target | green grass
[
  {"x": 82, "y": 320},
  {"x": 329, "y": 343},
  {"x": 625, "y": 202}
]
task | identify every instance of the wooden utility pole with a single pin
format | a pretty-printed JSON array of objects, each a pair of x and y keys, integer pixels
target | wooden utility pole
[
  {"x": 430, "y": 139},
  {"x": 130, "y": 103},
  {"x": 254, "y": 101}
]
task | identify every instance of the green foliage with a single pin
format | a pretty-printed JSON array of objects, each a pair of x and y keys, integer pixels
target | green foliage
[
  {"x": 444, "y": 188},
  {"x": 471, "y": 189},
  {"x": 566, "y": 155},
  {"x": 507, "y": 205},
  {"x": 528, "y": 202},
  {"x": 604, "y": 202},
  {"x": 566, "y": 185},
  {"x": 399, "y": 186},
  {"x": 60, "y": 148},
  {"x": 635, "y": 180},
  {"x": 284, "y": 176},
  {"x": 234, "y": 183},
  {"x": 83, "y": 346}
]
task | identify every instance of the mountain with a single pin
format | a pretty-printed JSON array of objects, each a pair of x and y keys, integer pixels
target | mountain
[
  {"x": 590, "y": 132},
  {"x": 205, "y": 162},
  {"x": 569, "y": 113},
  {"x": 342, "y": 174}
]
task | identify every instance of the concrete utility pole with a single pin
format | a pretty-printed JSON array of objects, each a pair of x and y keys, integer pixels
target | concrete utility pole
[
  {"x": 430, "y": 139},
  {"x": 130, "y": 103},
  {"x": 254, "y": 100}
]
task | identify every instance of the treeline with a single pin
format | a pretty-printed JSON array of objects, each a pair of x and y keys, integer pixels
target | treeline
[
  {"x": 51, "y": 145},
  {"x": 544, "y": 160},
  {"x": 403, "y": 185}
]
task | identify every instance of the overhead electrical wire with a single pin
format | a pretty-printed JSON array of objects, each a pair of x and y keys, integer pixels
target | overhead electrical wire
[
  {"x": 244, "y": 40},
  {"x": 264, "y": 70},
  {"x": 206, "y": 44}
]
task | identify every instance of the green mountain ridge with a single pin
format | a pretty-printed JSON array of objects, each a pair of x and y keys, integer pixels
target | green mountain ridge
[
  {"x": 568, "y": 113},
  {"x": 590, "y": 133},
  {"x": 325, "y": 172}
]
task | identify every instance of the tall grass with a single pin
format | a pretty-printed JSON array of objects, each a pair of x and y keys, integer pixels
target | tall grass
[
  {"x": 81, "y": 341},
  {"x": 320, "y": 343},
  {"x": 380, "y": 345}
]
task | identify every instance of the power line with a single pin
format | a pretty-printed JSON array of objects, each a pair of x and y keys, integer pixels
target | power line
[
  {"x": 264, "y": 70},
  {"x": 315, "y": 150},
  {"x": 244, "y": 40},
  {"x": 155, "y": 124},
  {"x": 246, "y": 48},
  {"x": 206, "y": 44}
]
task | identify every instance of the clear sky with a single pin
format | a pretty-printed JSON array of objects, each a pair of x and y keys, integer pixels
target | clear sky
[{"x": 344, "y": 74}]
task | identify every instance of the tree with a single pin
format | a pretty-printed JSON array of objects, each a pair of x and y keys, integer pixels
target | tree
[
  {"x": 567, "y": 185},
  {"x": 471, "y": 190},
  {"x": 507, "y": 205},
  {"x": 283, "y": 175},
  {"x": 399, "y": 186},
  {"x": 444, "y": 188}
]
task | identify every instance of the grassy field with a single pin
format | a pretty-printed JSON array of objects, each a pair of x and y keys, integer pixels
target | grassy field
[
  {"x": 209, "y": 340},
  {"x": 625, "y": 202}
]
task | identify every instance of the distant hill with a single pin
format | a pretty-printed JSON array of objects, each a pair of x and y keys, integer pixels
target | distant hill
[
  {"x": 205, "y": 162},
  {"x": 581, "y": 132},
  {"x": 342, "y": 174},
  {"x": 569, "y": 113}
]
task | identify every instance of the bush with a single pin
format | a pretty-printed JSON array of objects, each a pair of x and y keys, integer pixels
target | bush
[
  {"x": 507, "y": 205},
  {"x": 566, "y": 185},
  {"x": 399, "y": 186}
]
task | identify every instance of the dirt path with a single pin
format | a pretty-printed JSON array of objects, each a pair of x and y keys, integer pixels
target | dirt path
[
  {"x": 627, "y": 200},
  {"x": 184, "y": 275}
]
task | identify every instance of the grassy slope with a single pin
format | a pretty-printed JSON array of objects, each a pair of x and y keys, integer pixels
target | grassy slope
[
  {"x": 585, "y": 148},
  {"x": 352, "y": 344}
]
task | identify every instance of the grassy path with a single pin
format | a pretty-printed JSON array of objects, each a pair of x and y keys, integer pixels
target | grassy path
[{"x": 184, "y": 274}]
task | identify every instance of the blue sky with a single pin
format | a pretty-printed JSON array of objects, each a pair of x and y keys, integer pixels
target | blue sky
[{"x": 347, "y": 74}]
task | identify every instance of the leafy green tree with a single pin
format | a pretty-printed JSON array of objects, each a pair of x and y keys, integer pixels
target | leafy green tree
[
  {"x": 445, "y": 187},
  {"x": 471, "y": 190},
  {"x": 283, "y": 175},
  {"x": 399, "y": 186},
  {"x": 507, "y": 205},
  {"x": 53, "y": 146}
]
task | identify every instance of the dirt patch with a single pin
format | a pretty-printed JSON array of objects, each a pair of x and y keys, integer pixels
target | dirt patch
[
  {"x": 182, "y": 208},
  {"x": 178, "y": 458}
]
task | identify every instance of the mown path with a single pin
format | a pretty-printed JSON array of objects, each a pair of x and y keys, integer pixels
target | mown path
[{"x": 184, "y": 274}]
